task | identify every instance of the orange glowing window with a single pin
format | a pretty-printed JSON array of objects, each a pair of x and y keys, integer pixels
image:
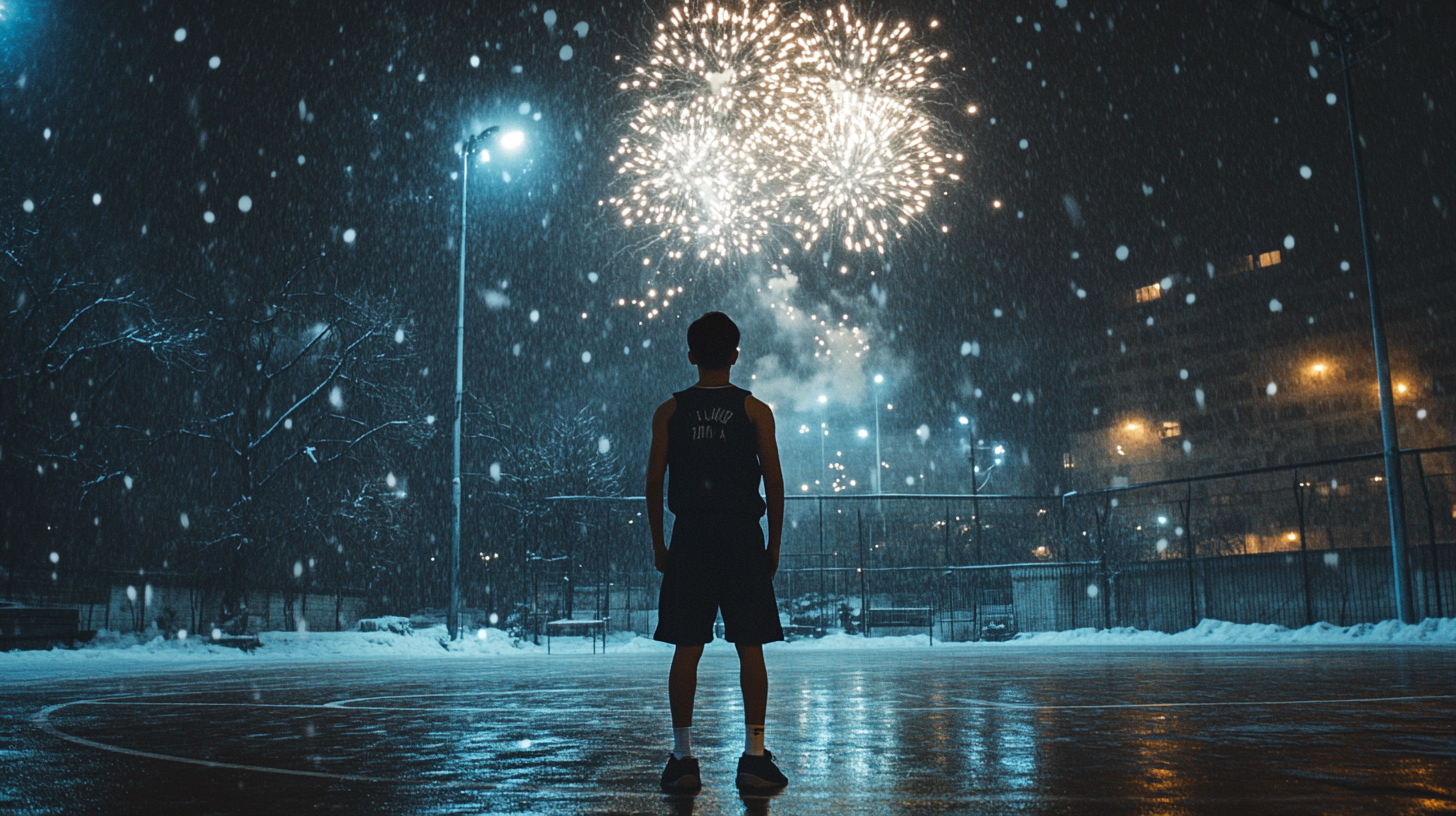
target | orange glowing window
[
  {"x": 1151, "y": 292},
  {"x": 1269, "y": 258}
]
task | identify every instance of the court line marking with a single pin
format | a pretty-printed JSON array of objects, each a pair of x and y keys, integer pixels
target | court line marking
[
  {"x": 315, "y": 706},
  {"x": 43, "y": 721},
  {"x": 577, "y": 690}
]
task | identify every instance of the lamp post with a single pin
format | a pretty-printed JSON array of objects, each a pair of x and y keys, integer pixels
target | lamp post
[
  {"x": 1351, "y": 34},
  {"x": 477, "y": 142},
  {"x": 999, "y": 452}
]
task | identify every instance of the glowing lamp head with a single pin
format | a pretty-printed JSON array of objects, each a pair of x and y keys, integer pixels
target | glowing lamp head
[
  {"x": 879, "y": 378},
  {"x": 1400, "y": 388},
  {"x": 484, "y": 156},
  {"x": 965, "y": 420},
  {"x": 1319, "y": 368},
  {"x": 512, "y": 139},
  {"x": 1131, "y": 426},
  {"x": 862, "y": 433}
]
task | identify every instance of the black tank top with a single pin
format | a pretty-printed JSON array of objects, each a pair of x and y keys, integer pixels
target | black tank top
[{"x": 712, "y": 454}]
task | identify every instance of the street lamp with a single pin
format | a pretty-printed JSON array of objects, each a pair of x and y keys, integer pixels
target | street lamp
[
  {"x": 1351, "y": 35},
  {"x": 510, "y": 141}
]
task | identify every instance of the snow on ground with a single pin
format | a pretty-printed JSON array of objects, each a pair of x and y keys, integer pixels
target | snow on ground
[{"x": 113, "y": 652}]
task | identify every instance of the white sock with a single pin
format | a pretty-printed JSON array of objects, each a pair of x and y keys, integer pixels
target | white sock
[
  {"x": 753, "y": 740},
  {"x": 682, "y": 742}
]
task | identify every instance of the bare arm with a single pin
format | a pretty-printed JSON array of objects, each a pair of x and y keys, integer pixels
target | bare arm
[
  {"x": 656, "y": 470},
  {"x": 773, "y": 475}
]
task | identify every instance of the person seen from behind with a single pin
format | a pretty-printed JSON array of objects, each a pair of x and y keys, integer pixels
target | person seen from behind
[{"x": 714, "y": 442}]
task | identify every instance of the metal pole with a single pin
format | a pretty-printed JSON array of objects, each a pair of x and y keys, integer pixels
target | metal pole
[
  {"x": 1394, "y": 491},
  {"x": 1190, "y": 551},
  {"x": 1303, "y": 550},
  {"x": 976, "y": 507},
  {"x": 1435, "y": 569},
  {"x": 823, "y": 622},
  {"x": 452, "y": 615},
  {"x": 864, "y": 609},
  {"x": 877, "y": 443}
]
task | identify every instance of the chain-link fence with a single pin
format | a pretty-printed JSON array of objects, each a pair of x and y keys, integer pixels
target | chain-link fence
[{"x": 1288, "y": 545}]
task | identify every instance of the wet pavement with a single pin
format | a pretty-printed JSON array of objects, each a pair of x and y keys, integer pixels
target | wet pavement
[{"x": 939, "y": 730}]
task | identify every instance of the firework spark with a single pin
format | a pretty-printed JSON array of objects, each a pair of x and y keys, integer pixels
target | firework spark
[{"x": 753, "y": 126}]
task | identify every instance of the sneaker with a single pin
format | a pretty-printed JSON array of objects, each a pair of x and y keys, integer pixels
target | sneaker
[
  {"x": 759, "y": 773},
  {"x": 681, "y": 775}
]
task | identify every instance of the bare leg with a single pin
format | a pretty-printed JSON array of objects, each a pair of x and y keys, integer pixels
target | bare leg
[
  {"x": 753, "y": 677},
  {"x": 682, "y": 684}
]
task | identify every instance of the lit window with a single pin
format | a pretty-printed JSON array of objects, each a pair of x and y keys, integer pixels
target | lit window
[
  {"x": 1244, "y": 264},
  {"x": 1269, "y": 258},
  {"x": 1067, "y": 462},
  {"x": 1170, "y": 430},
  {"x": 1150, "y": 292}
]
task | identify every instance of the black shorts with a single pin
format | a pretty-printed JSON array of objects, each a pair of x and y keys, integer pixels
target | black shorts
[{"x": 717, "y": 562}]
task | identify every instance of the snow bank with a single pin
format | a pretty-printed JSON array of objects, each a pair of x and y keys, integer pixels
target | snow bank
[
  {"x": 111, "y": 652},
  {"x": 1431, "y": 631}
]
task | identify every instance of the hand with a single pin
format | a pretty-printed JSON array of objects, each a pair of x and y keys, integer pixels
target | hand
[{"x": 659, "y": 560}]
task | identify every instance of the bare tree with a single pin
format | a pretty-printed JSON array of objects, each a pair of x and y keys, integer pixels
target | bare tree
[
  {"x": 75, "y": 337},
  {"x": 532, "y": 460},
  {"x": 309, "y": 392}
]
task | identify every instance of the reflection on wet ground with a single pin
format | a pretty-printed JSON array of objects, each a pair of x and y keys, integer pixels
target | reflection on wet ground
[{"x": 997, "y": 730}]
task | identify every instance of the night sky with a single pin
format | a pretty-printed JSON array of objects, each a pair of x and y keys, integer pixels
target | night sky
[{"x": 1176, "y": 130}]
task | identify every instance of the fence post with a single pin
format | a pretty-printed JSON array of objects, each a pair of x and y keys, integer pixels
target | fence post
[
  {"x": 947, "y": 533},
  {"x": 1190, "y": 551},
  {"x": 1102, "y": 522},
  {"x": 823, "y": 624},
  {"x": 864, "y": 598},
  {"x": 1435, "y": 570},
  {"x": 1303, "y": 550}
]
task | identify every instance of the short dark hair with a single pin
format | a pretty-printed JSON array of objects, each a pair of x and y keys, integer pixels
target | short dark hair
[{"x": 712, "y": 339}]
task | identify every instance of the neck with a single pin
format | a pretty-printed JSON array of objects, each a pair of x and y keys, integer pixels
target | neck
[{"x": 711, "y": 378}]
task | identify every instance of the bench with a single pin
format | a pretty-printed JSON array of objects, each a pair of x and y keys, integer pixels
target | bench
[
  {"x": 906, "y": 616},
  {"x": 243, "y": 643},
  {"x": 597, "y": 626}
]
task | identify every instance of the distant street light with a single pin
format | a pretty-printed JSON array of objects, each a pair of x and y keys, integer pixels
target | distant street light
[{"x": 510, "y": 141}]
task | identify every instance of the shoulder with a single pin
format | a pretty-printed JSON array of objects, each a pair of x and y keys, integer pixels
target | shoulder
[
  {"x": 665, "y": 411},
  {"x": 757, "y": 410}
]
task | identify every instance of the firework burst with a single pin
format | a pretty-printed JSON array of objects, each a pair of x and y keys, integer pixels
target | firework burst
[
  {"x": 754, "y": 126},
  {"x": 867, "y": 159},
  {"x": 714, "y": 80}
]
